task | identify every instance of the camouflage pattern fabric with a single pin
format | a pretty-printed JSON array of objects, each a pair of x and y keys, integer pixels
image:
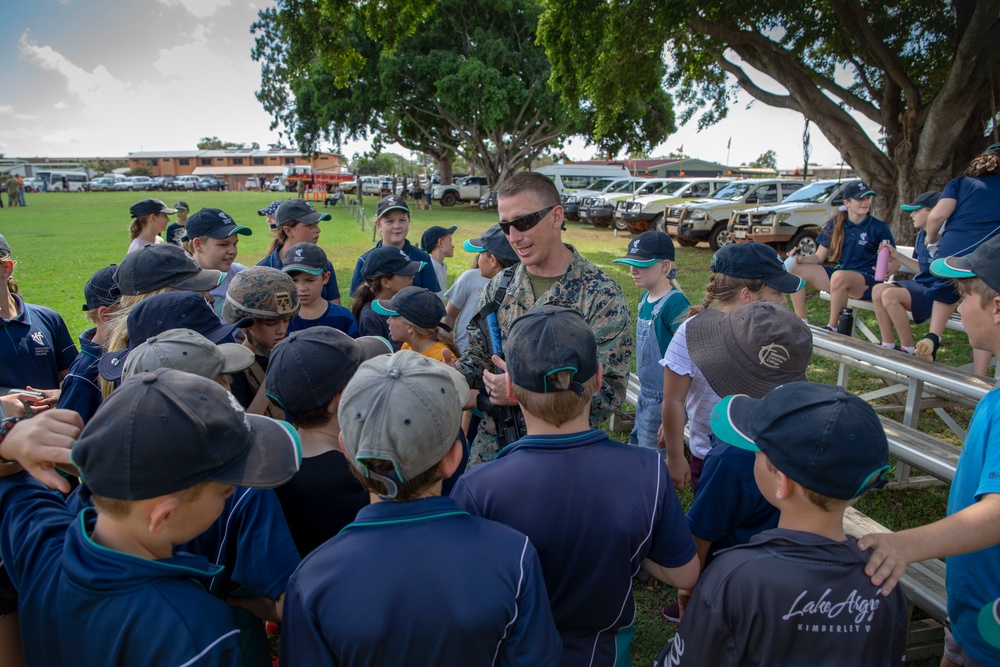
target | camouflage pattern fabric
[
  {"x": 261, "y": 292},
  {"x": 585, "y": 288}
]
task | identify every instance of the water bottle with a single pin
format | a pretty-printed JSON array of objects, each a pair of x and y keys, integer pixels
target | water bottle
[
  {"x": 845, "y": 323},
  {"x": 790, "y": 262},
  {"x": 882, "y": 264}
]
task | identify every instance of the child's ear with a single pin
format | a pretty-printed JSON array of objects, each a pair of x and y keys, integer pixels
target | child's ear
[
  {"x": 196, "y": 244},
  {"x": 326, "y": 277},
  {"x": 161, "y": 512},
  {"x": 996, "y": 310}
]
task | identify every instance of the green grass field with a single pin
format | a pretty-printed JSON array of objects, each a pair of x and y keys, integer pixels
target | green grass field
[{"x": 60, "y": 239}]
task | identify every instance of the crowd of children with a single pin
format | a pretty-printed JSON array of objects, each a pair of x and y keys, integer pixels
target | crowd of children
[{"x": 232, "y": 446}]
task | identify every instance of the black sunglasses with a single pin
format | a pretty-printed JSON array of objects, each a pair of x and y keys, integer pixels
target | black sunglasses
[{"x": 525, "y": 222}]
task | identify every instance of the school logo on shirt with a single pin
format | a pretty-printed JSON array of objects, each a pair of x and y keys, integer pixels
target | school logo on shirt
[
  {"x": 826, "y": 615},
  {"x": 38, "y": 337},
  {"x": 773, "y": 355},
  {"x": 863, "y": 238}
]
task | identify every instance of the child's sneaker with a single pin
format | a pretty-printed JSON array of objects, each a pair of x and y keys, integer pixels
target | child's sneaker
[
  {"x": 927, "y": 347},
  {"x": 899, "y": 348},
  {"x": 672, "y": 612}
]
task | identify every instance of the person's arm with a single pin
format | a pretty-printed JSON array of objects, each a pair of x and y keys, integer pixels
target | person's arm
[
  {"x": 911, "y": 264},
  {"x": 817, "y": 257},
  {"x": 41, "y": 443},
  {"x": 452, "y": 314},
  {"x": 684, "y": 594},
  {"x": 675, "y": 389},
  {"x": 937, "y": 217},
  {"x": 612, "y": 325},
  {"x": 974, "y": 528},
  {"x": 684, "y": 576}
]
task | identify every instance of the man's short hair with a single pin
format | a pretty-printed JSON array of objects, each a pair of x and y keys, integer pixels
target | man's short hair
[
  {"x": 530, "y": 181},
  {"x": 559, "y": 405}
]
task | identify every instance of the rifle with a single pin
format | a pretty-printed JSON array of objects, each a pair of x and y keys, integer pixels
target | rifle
[{"x": 509, "y": 419}]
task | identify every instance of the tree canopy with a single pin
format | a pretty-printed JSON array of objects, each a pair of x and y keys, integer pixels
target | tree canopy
[
  {"x": 459, "y": 78},
  {"x": 216, "y": 144},
  {"x": 925, "y": 72},
  {"x": 766, "y": 160}
]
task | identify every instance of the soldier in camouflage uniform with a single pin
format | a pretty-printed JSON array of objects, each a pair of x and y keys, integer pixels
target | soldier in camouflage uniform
[{"x": 552, "y": 273}]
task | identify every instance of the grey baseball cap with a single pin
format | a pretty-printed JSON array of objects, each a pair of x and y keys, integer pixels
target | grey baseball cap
[
  {"x": 404, "y": 408},
  {"x": 751, "y": 350},
  {"x": 189, "y": 351},
  {"x": 982, "y": 264}
]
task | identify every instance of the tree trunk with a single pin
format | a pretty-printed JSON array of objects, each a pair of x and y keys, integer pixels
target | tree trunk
[{"x": 445, "y": 169}]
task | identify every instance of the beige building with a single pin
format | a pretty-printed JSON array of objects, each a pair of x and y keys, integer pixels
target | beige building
[{"x": 233, "y": 165}]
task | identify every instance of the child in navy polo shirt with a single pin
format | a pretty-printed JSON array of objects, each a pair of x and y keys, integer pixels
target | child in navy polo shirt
[
  {"x": 36, "y": 350},
  {"x": 387, "y": 271},
  {"x": 750, "y": 350},
  {"x": 595, "y": 509},
  {"x": 890, "y": 303},
  {"x": 797, "y": 594},
  {"x": 297, "y": 221},
  {"x": 662, "y": 308},
  {"x": 306, "y": 377},
  {"x": 306, "y": 264},
  {"x": 851, "y": 239},
  {"x": 437, "y": 243},
  {"x": 415, "y": 580},
  {"x": 81, "y": 390},
  {"x": 392, "y": 220},
  {"x": 212, "y": 237},
  {"x": 108, "y": 586}
]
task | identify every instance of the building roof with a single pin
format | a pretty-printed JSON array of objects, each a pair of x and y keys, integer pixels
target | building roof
[
  {"x": 252, "y": 170},
  {"x": 227, "y": 152}
]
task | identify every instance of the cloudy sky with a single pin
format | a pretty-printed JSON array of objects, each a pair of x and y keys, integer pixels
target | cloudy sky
[{"x": 108, "y": 77}]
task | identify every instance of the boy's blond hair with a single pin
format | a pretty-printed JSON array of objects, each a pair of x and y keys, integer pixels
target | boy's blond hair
[
  {"x": 825, "y": 503},
  {"x": 559, "y": 405},
  {"x": 116, "y": 508},
  {"x": 976, "y": 287}
]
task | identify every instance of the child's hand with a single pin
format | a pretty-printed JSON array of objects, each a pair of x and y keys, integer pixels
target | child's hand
[
  {"x": 680, "y": 472},
  {"x": 49, "y": 397},
  {"x": 683, "y": 597},
  {"x": 41, "y": 443},
  {"x": 887, "y": 562}
]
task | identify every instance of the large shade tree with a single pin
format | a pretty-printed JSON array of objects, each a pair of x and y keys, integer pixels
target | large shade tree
[
  {"x": 463, "y": 78},
  {"x": 925, "y": 72}
]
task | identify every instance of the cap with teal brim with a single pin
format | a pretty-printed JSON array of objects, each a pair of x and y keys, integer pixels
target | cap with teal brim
[
  {"x": 382, "y": 310},
  {"x": 647, "y": 249},
  {"x": 980, "y": 264},
  {"x": 989, "y": 623},
  {"x": 469, "y": 246}
]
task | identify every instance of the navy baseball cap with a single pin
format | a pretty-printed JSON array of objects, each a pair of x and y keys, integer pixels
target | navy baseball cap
[
  {"x": 647, "y": 249},
  {"x": 160, "y": 265},
  {"x": 756, "y": 261},
  {"x": 549, "y": 339},
  {"x": 822, "y": 436},
  {"x": 125, "y": 452},
  {"x": 390, "y": 203},
  {"x": 298, "y": 210},
  {"x": 182, "y": 206},
  {"x": 419, "y": 305},
  {"x": 162, "y": 312},
  {"x": 926, "y": 200},
  {"x": 982, "y": 264},
  {"x": 101, "y": 289},
  {"x": 430, "y": 238},
  {"x": 304, "y": 258},
  {"x": 310, "y": 367},
  {"x": 271, "y": 208},
  {"x": 858, "y": 190},
  {"x": 148, "y": 207},
  {"x": 387, "y": 260},
  {"x": 214, "y": 223},
  {"x": 495, "y": 242}
]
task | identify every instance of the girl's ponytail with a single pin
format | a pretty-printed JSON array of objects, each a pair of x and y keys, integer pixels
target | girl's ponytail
[{"x": 837, "y": 237}]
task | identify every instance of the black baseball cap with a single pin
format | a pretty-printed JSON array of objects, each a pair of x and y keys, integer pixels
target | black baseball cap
[
  {"x": 162, "y": 312},
  {"x": 214, "y": 223},
  {"x": 982, "y": 264},
  {"x": 101, "y": 289},
  {"x": 298, "y": 210},
  {"x": 4, "y": 247},
  {"x": 148, "y": 207},
  {"x": 756, "y": 261},
  {"x": 310, "y": 367},
  {"x": 495, "y": 242},
  {"x": 647, "y": 249},
  {"x": 430, "y": 238},
  {"x": 419, "y": 305},
  {"x": 926, "y": 200},
  {"x": 182, "y": 206},
  {"x": 549, "y": 339},
  {"x": 388, "y": 260},
  {"x": 159, "y": 265},
  {"x": 386, "y": 204},
  {"x": 304, "y": 258},
  {"x": 125, "y": 452},
  {"x": 858, "y": 190},
  {"x": 822, "y": 436}
]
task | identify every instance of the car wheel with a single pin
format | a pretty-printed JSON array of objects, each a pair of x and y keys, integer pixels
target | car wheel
[
  {"x": 719, "y": 236},
  {"x": 619, "y": 224},
  {"x": 805, "y": 241},
  {"x": 658, "y": 223},
  {"x": 448, "y": 199},
  {"x": 130, "y": 188}
]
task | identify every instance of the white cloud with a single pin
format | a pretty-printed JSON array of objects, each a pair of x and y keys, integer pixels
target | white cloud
[
  {"x": 6, "y": 109},
  {"x": 90, "y": 87},
  {"x": 60, "y": 105},
  {"x": 200, "y": 8}
]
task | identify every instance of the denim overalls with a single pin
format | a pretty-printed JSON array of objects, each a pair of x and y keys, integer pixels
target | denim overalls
[{"x": 647, "y": 366}]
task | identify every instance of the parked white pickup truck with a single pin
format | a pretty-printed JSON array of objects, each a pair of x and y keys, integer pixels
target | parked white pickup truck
[{"x": 470, "y": 188}]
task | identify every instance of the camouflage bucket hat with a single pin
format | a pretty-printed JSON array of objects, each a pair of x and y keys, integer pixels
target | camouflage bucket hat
[{"x": 260, "y": 292}]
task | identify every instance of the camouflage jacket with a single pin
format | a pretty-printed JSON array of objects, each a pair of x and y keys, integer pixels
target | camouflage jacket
[{"x": 585, "y": 288}]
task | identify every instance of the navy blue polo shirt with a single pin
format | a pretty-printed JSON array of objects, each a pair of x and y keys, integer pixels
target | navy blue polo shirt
[
  {"x": 426, "y": 278},
  {"x": 80, "y": 389},
  {"x": 729, "y": 508},
  {"x": 35, "y": 347},
  {"x": 330, "y": 290},
  {"x": 594, "y": 509},
  {"x": 336, "y": 317},
  {"x": 861, "y": 242},
  {"x": 419, "y": 582}
]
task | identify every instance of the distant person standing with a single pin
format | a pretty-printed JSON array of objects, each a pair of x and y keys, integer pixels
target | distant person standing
[
  {"x": 175, "y": 230},
  {"x": 11, "y": 191},
  {"x": 20, "y": 191},
  {"x": 300, "y": 188}
]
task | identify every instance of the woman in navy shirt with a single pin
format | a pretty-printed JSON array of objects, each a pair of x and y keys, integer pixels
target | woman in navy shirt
[
  {"x": 971, "y": 205},
  {"x": 852, "y": 239}
]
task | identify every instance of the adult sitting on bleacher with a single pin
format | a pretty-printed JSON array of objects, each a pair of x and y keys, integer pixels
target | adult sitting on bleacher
[
  {"x": 971, "y": 206},
  {"x": 891, "y": 304},
  {"x": 852, "y": 239}
]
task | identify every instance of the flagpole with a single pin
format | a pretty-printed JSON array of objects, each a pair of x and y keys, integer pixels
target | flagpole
[{"x": 729, "y": 145}]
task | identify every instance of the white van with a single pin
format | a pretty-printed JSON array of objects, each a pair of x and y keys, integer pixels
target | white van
[
  {"x": 59, "y": 181},
  {"x": 573, "y": 177}
]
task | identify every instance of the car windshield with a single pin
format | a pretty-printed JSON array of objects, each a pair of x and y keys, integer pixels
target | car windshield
[
  {"x": 812, "y": 194},
  {"x": 624, "y": 186},
  {"x": 647, "y": 188},
  {"x": 600, "y": 184},
  {"x": 733, "y": 191},
  {"x": 671, "y": 187}
]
